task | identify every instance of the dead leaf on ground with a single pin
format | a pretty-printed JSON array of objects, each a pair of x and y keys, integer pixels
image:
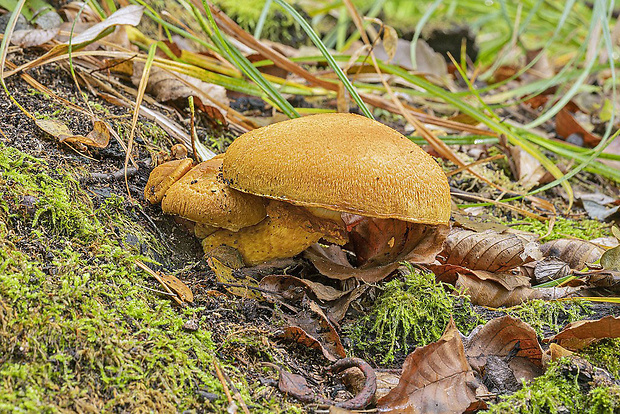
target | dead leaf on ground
[
  {"x": 611, "y": 258},
  {"x": 289, "y": 287},
  {"x": 566, "y": 124},
  {"x": 337, "y": 310},
  {"x": 576, "y": 253},
  {"x": 33, "y": 37},
  {"x": 99, "y": 137},
  {"x": 296, "y": 386},
  {"x": 311, "y": 328},
  {"x": 354, "y": 380},
  {"x": 511, "y": 339},
  {"x": 168, "y": 86},
  {"x": 488, "y": 250},
  {"x": 436, "y": 378},
  {"x": 549, "y": 269},
  {"x": 529, "y": 171},
  {"x": 495, "y": 289},
  {"x": 379, "y": 244},
  {"x": 578, "y": 335},
  {"x": 177, "y": 286},
  {"x": 129, "y": 15}
]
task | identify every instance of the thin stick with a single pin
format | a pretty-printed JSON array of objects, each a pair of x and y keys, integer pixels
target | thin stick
[
  {"x": 222, "y": 381},
  {"x": 237, "y": 394}
]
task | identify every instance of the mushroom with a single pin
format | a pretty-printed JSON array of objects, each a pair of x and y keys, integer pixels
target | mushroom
[{"x": 337, "y": 178}]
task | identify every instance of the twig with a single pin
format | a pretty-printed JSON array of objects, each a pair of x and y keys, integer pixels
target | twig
[
  {"x": 222, "y": 381},
  {"x": 236, "y": 393}
]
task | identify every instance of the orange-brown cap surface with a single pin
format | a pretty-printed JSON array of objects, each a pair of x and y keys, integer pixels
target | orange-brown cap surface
[
  {"x": 201, "y": 197},
  {"x": 342, "y": 162}
]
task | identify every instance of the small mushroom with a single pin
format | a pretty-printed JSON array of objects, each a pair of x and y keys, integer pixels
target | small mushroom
[{"x": 337, "y": 178}]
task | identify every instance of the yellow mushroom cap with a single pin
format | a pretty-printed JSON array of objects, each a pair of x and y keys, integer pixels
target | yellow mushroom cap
[
  {"x": 202, "y": 197},
  {"x": 163, "y": 176},
  {"x": 341, "y": 162}
]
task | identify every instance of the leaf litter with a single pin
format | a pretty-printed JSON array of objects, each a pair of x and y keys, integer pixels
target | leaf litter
[{"x": 310, "y": 300}]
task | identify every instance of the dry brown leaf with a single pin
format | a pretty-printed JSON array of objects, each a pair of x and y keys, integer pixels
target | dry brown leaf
[
  {"x": 338, "y": 309},
  {"x": 390, "y": 41},
  {"x": 99, "y": 137},
  {"x": 167, "y": 86},
  {"x": 578, "y": 335},
  {"x": 489, "y": 250},
  {"x": 379, "y": 245},
  {"x": 503, "y": 337},
  {"x": 33, "y": 37},
  {"x": 550, "y": 269},
  {"x": 289, "y": 286},
  {"x": 566, "y": 124},
  {"x": 610, "y": 260},
  {"x": 296, "y": 386},
  {"x": 576, "y": 253},
  {"x": 354, "y": 380},
  {"x": 129, "y": 15},
  {"x": 436, "y": 378},
  {"x": 332, "y": 262},
  {"x": 311, "y": 328},
  {"x": 529, "y": 171},
  {"x": 178, "y": 287}
]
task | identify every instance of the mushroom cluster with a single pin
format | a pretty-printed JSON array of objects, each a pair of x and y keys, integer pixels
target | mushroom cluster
[{"x": 342, "y": 180}]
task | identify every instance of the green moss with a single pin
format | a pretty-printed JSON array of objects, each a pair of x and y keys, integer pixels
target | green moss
[
  {"x": 411, "y": 311},
  {"x": 548, "y": 317},
  {"x": 581, "y": 229},
  {"x": 605, "y": 354},
  {"x": 558, "y": 391},
  {"x": 77, "y": 330}
]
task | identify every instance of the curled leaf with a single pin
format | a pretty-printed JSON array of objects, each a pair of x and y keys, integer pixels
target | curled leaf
[
  {"x": 99, "y": 137},
  {"x": 489, "y": 250},
  {"x": 311, "y": 328},
  {"x": 428, "y": 373},
  {"x": 578, "y": 335},
  {"x": 227, "y": 276},
  {"x": 178, "y": 287},
  {"x": 508, "y": 338},
  {"x": 576, "y": 253}
]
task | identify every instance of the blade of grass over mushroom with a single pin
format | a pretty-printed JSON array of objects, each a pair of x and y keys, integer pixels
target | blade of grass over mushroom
[
  {"x": 241, "y": 61},
  {"x": 330, "y": 60},
  {"x": 496, "y": 126}
]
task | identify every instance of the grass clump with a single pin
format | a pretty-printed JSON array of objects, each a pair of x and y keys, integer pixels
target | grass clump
[
  {"x": 549, "y": 317},
  {"x": 77, "y": 331},
  {"x": 582, "y": 229},
  {"x": 605, "y": 354},
  {"x": 557, "y": 391},
  {"x": 412, "y": 311}
]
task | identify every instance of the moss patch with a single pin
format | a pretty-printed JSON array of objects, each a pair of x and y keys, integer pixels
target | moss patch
[
  {"x": 581, "y": 229},
  {"x": 78, "y": 332},
  {"x": 549, "y": 317},
  {"x": 604, "y": 354},
  {"x": 558, "y": 391},
  {"x": 412, "y": 311}
]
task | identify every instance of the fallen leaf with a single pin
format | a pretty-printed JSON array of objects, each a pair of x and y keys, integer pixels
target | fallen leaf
[
  {"x": 610, "y": 260},
  {"x": 550, "y": 268},
  {"x": 529, "y": 171},
  {"x": 381, "y": 245},
  {"x": 436, "y": 378},
  {"x": 129, "y": 15},
  {"x": 311, "y": 328},
  {"x": 390, "y": 41},
  {"x": 226, "y": 275},
  {"x": 33, "y": 37},
  {"x": 288, "y": 286},
  {"x": 576, "y": 253},
  {"x": 337, "y": 311},
  {"x": 506, "y": 337},
  {"x": 566, "y": 124},
  {"x": 578, "y": 335},
  {"x": 168, "y": 86},
  {"x": 489, "y": 250},
  {"x": 178, "y": 287},
  {"x": 99, "y": 137},
  {"x": 296, "y": 386},
  {"x": 426, "y": 59}
]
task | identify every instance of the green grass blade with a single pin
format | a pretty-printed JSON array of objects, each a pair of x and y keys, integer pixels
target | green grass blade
[{"x": 330, "y": 59}]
